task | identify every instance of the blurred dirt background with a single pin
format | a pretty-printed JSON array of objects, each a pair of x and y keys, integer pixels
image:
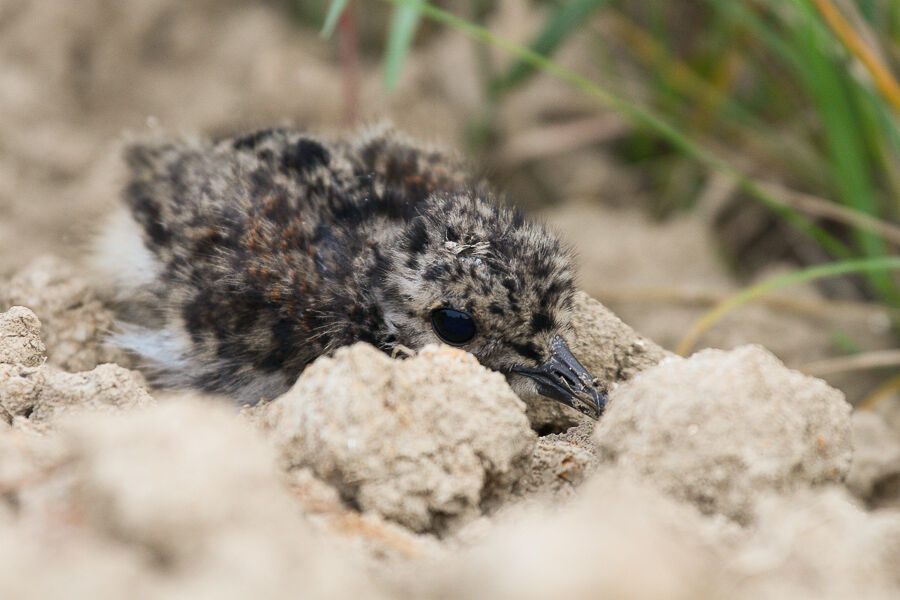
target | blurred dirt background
[{"x": 78, "y": 79}]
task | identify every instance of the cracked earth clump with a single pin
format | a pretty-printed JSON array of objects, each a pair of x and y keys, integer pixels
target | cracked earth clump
[
  {"x": 428, "y": 442},
  {"x": 722, "y": 428},
  {"x": 20, "y": 333},
  {"x": 42, "y": 392},
  {"x": 75, "y": 325}
]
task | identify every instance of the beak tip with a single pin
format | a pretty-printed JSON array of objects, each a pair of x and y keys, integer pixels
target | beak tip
[{"x": 564, "y": 379}]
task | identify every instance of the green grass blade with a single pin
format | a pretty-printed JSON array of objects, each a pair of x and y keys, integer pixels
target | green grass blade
[
  {"x": 808, "y": 48},
  {"x": 864, "y": 265},
  {"x": 404, "y": 21},
  {"x": 732, "y": 118},
  {"x": 561, "y": 23},
  {"x": 889, "y": 152},
  {"x": 740, "y": 13},
  {"x": 638, "y": 115},
  {"x": 335, "y": 10},
  {"x": 849, "y": 160}
]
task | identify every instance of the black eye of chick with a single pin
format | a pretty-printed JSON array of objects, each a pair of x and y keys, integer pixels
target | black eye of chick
[{"x": 454, "y": 327}]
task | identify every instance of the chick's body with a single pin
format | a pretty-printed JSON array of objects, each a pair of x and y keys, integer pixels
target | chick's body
[{"x": 256, "y": 254}]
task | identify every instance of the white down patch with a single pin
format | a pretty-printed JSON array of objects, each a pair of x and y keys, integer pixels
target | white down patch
[{"x": 120, "y": 256}]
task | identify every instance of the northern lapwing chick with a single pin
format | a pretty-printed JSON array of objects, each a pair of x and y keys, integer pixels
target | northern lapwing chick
[{"x": 238, "y": 262}]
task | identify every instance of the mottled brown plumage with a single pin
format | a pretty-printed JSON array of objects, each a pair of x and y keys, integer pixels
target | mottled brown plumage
[{"x": 261, "y": 252}]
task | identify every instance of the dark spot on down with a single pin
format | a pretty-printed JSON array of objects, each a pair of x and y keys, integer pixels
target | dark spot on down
[
  {"x": 147, "y": 212},
  {"x": 381, "y": 264},
  {"x": 542, "y": 270},
  {"x": 206, "y": 244},
  {"x": 261, "y": 182},
  {"x": 541, "y": 322},
  {"x": 418, "y": 237},
  {"x": 528, "y": 350},
  {"x": 304, "y": 156},
  {"x": 277, "y": 208},
  {"x": 282, "y": 346},
  {"x": 435, "y": 272},
  {"x": 352, "y": 211},
  {"x": 194, "y": 317},
  {"x": 392, "y": 292},
  {"x": 550, "y": 295}
]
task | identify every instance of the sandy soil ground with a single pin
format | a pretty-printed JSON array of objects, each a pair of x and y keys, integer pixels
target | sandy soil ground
[{"x": 725, "y": 474}]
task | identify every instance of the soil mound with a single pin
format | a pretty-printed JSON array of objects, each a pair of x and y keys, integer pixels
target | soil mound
[{"x": 718, "y": 475}]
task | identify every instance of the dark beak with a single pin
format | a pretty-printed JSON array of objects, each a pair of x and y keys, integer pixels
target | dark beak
[{"x": 563, "y": 378}]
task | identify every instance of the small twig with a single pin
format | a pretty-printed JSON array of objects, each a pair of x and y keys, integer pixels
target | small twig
[{"x": 856, "y": 362}]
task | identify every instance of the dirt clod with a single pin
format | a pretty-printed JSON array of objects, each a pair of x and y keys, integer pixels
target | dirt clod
[
  {"x": 618, "y": 539},
  {"x": 144, "y": 494},
  {"x": 611, "y": 350},
  {"x": 74, "y": 323},
  {"x": 43, "y": 392},
  {"x": 20, "y": 331},
  {"x": 561, "y": 463},
  {"x": 428, "y": 442},
  {"x": 20, "y": 388},
  {"x": 720, "y": 428},
  {"x": 818, "y": 545},
  {"x": 108, "y": 387},
  {"x": 874, "y": 476}
]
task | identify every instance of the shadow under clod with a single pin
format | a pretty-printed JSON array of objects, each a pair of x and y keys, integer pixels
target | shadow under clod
[{"x": 721, "y": 474}]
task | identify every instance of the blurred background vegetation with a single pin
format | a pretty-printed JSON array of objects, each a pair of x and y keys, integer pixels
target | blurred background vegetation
[{"x": 789, "y": 106}]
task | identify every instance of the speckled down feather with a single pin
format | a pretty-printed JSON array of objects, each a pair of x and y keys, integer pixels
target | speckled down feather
[{"x": 255, "y": 254}]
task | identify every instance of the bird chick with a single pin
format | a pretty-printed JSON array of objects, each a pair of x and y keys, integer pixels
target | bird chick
[{"x": 238, "y": 262}]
